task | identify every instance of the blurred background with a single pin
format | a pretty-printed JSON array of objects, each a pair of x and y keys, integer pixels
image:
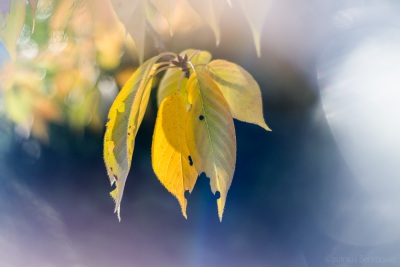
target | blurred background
[{"x": 321, "y": 189}]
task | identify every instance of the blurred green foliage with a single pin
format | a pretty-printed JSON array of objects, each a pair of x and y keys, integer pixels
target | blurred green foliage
[{"x": 57, "y": 65}]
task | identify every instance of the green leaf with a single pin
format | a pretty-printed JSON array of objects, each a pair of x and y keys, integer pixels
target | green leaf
[
  {"x": 124, "y": 118},
  {"x": 211, "y": 134},
  {"x": 169, "y": 82},
  {"x": 9, "y": 33},
  {"x": 170, "y": 154},
  {"x": 256, "y": 12},
  {"x": 240, "y": 90}
]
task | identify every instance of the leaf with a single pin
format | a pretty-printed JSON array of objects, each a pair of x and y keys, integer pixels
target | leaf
[
  {"x": 240, "y": 90},
  {"x": 170, "y": 154},
  {"x": 211, "y": 134},
  {"x": 167, "y": 9},
  {"x": 133, "y": 16},
  {"x": 169, "y": 82},
  {"x": 9, "y": 33},
  {"x": 210, "y": 11},
  {"x": 256, "y": 12},
  {"x": 124, "y": 118}
]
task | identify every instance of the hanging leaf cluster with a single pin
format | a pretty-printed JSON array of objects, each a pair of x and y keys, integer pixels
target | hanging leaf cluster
[
  {"x": 137, "y": 15},
  {"x": 194, "y": 130}
]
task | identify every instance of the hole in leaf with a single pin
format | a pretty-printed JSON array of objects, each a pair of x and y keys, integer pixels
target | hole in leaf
[
  {"x": 115, "y": 177},
  {"x": 187, "y": 193},
  {"x": 190, "y": 161},
  {"x": 201, "y": 117},
  {"x": 217, "y": 195}
]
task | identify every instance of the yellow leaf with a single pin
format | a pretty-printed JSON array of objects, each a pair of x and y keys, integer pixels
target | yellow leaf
[
  {"x": 18, "y": 104},
  {"x": 240, "y": 90},
  {"x": 124, "y": 118},
  {"x": 256, "y": 12},
  {"x": 171, "y": 160},
  {"x": 9, "y": 33},
  {"x": 170, "y": 81},
  {"x": 211, "y": 134}
]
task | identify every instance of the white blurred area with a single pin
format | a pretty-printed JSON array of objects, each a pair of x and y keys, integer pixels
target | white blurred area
[
  {"x": 360, "y": 92},
  {"x": 362, "y": 105}
]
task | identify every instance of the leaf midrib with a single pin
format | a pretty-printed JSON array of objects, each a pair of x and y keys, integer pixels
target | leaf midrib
[{"x": 209, "y": 135}]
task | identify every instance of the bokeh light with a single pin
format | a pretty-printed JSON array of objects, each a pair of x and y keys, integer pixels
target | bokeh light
[{"x": 360, "y": 90}]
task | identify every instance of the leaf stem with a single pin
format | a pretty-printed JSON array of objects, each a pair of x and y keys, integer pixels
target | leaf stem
[
  {"x": 162, "y": 69},
  {"x": 192, "y": 55},
  {"x": 166, "y": 54},
  {"x": 191, "y": 65},
  {"x": 180, "y": 80}
]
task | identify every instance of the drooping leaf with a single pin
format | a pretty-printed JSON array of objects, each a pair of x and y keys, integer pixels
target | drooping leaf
[
  {"x": 124, "y": 119},
  {"x": 240, "y": 90},
  {"x": 210, "y": 11},
  {"x": 167, "y": 9},
  {"x": 211, "y": 134},
  {"x": 170, "y": 154},
  {"x": 14, "y": 21},
  {"x": 133, "y": 15},
  {"x": 256, "y": 12},
  {"x": 169, "y": 82}
]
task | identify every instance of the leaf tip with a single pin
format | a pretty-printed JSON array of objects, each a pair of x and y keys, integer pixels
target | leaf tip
[
  {"x": 119, "y": 213},
  {"x": 221, "y": 207},
  {"x": 265, "y": 127},
  {"x": 220, "y": 213},
  {"x": 258, "y": 49},
  {"x": 117, "y": 209},
  {"x": 257, "y": 42}
]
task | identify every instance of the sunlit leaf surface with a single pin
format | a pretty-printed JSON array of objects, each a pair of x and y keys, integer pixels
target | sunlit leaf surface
[
  {"x": 172, "y": 162},
  {"x": 211, "y": 135},
  {"x": 124, "y": 118},
  {"x": 240, "y": 90},
  {"x": 170, "y": 81}
]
